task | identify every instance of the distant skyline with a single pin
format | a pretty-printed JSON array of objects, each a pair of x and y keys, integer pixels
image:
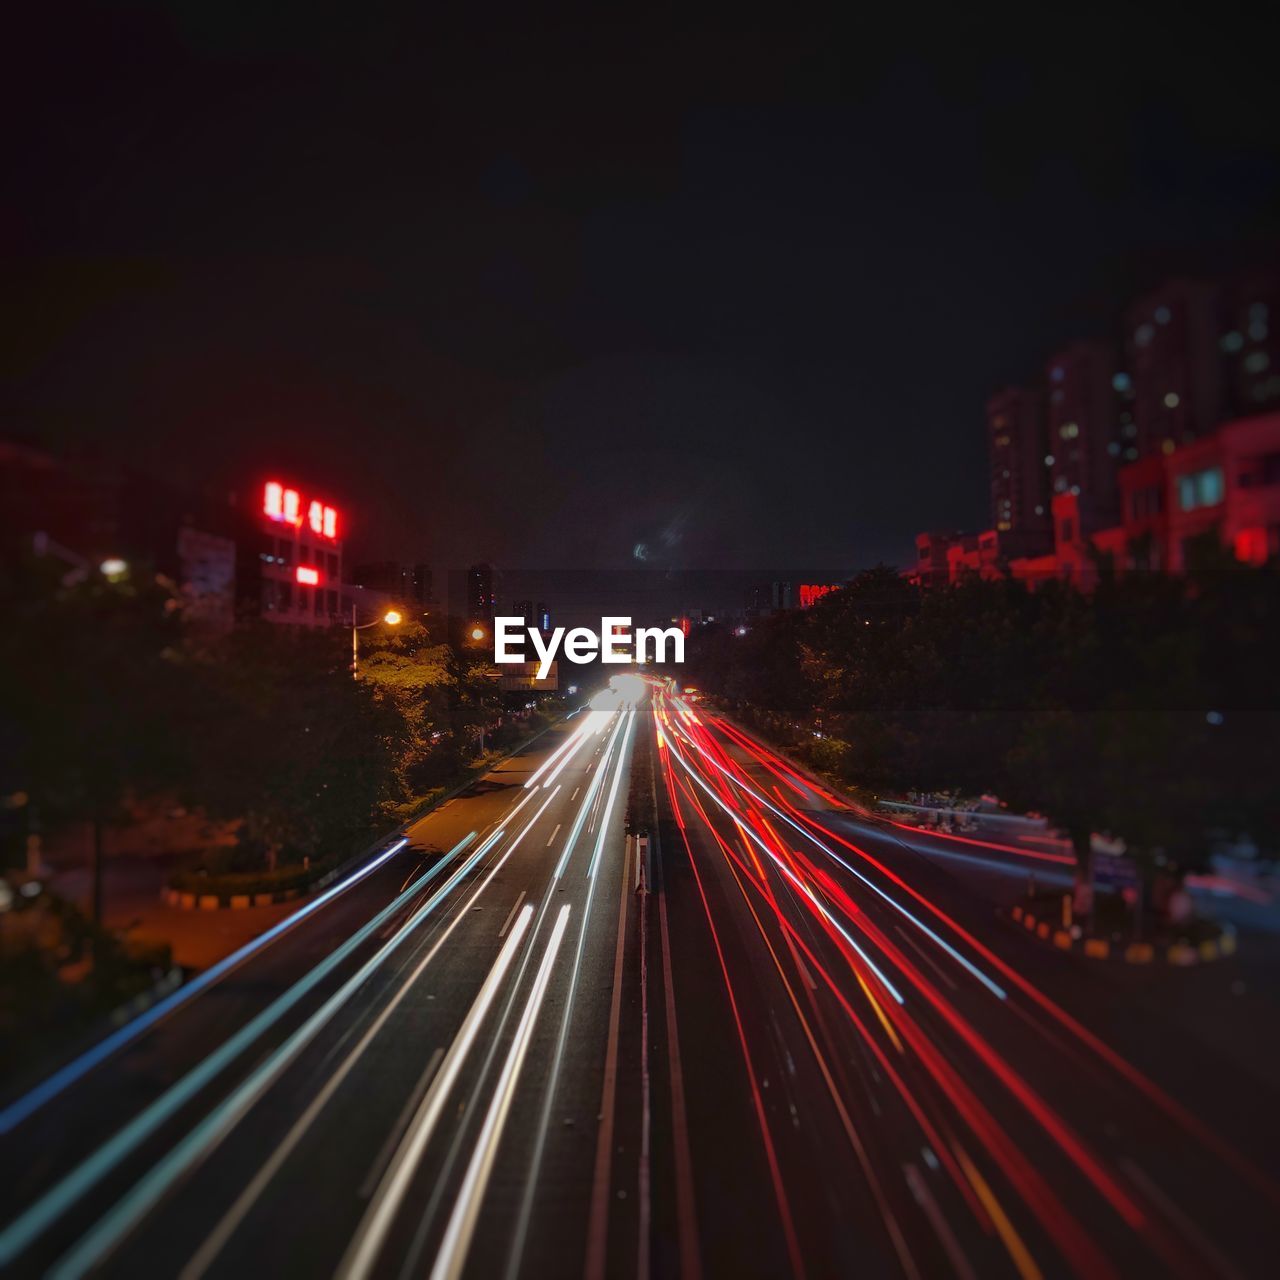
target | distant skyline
[{"x": 600, "y": 295}]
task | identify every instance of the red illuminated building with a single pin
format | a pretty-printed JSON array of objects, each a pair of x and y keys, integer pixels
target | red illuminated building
[
  {"x": 1140, "y": 459},
  {"x": 291, "y": 566}
]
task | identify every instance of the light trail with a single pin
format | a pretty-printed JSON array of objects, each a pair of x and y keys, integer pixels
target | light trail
[
  {"x": 244, "y": 1202},
  {"x": 61, "y": 1197},
  {"x": 114, "y": 1226},
  {"x": 580, "y": 734},
  {"x": 786, "y": 871},
  {"x": 553, "y": 1075},
  {"x": 613, "y": 793},
  {"x": 27, "y": 1105},
  {"x": 452, "y": 1253},
  {"x": 987, "y": 982},
  {"x": 587, "y": 801},
  {"x": 362, "y": 1254}
]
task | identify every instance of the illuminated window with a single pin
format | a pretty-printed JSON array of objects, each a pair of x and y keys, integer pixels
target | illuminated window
[
  {"x": 1143, "y": 334},
  {"x": 1121, "y": 382},
  {"x": 315, "y": 517},
  {"x": 1172, "y": 400},
  {"x": 307, "y": 576},
  {"x": 1201, "y": 489},
  {"x": 273, "y": 500},
  {"x": 1232, "y": 341},
  {"x": 1163, "y": 315}
]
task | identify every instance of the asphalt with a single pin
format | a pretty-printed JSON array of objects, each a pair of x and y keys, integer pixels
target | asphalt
[
  {"x": 647, "y": 1001},
  {"x": 411, "y": 1077},
  {"x": 1067, "y": 1123}
]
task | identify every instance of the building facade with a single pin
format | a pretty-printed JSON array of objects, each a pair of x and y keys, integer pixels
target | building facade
[
  {"x": 1020, "y": 460},
  {"x": 290, "y": 561}
]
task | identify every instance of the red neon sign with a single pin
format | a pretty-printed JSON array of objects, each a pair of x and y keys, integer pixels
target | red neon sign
[
  {"x": 285, "y": 505},
  {"x": 812, "y": 592},
  {"x": 308, "y": 576}
]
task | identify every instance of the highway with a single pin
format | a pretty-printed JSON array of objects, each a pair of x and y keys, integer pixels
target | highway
[
  {"x": 919, "y": 1090},
  {"x": 408, "y": 1080},
  {"x": 763, "y": 1034}
]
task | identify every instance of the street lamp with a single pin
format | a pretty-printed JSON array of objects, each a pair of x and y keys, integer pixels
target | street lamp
[
  {"x": 477, "y": 634},
  {"x": 392, "y": 618}
]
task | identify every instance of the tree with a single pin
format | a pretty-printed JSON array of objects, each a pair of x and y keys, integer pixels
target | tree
[
  {"x": 90, "y": 671},
  {"x": 307, "y": 757}
]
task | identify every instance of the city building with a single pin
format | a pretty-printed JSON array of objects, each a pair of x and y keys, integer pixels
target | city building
[
  {"x": 290, "y": 561},
  {"x": 1251, "y": 341},
  {"x": 1140, "y": 462},
  {"x": 544, "y": 617},
  {"x": 1174, "y": 362},
  {"x": 480, "y": 595},
  {"x": 409, "y": 585},
  {"x": 1086, "y": 393},
  {"x": 1020, "y": 462}
]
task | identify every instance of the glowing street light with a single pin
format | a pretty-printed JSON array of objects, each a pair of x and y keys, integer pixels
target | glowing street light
[
  {"x": 114, "y": 569},
  {"x": 477, "y": 634},
  {"x": 392, "y": 618}
]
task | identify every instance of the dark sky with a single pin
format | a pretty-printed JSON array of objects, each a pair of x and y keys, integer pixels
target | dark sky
[{"x": 540, "y": 293}]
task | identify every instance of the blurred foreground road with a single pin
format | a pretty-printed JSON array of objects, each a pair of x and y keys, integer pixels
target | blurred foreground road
[
  {"x": 920, "y": 1088},
  {"x": 408, "y": 1080},
  {"x": 773, "y": 1037}
]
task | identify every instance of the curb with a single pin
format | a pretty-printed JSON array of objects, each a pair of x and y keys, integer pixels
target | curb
[
  {"x": 236, "y": 901},
  {"x": 1180, "y": 953}
]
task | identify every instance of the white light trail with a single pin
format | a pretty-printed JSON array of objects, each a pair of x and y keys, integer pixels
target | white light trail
[
  {"x": 20, "y": 1233},
  {"x": 987, "y": 982},
  {"x": 362, "y": 1254},
  {"x": 457, "y": 1237}
]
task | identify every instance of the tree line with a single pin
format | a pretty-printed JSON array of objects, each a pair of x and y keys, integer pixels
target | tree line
[
  {"x": 1147, "y": 709},
  {"x": 109, "y": 697}
]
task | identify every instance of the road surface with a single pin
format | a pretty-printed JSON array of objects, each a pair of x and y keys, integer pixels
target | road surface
[
  {"x": 762, "y": 1035},
  {"x": 408, "y": 1081}
]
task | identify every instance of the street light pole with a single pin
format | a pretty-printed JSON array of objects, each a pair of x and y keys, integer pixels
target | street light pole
[{"x": 392, "y": 618}]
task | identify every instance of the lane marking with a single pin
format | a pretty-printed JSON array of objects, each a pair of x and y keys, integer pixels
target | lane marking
[
  {"x": 512, "y": 914},
  {"x": 553, "y": 835}
]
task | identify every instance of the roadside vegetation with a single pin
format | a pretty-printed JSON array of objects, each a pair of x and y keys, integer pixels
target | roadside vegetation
[
  {"x": 113, "y": 707},
  {"x": 1146, "y": 710}
]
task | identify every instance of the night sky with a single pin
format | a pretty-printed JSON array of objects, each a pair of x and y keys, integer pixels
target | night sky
[{"x": 547, "y": 293}]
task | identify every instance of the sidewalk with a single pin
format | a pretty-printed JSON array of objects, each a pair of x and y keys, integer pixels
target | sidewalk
[{"x": 132, "y": 906}]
